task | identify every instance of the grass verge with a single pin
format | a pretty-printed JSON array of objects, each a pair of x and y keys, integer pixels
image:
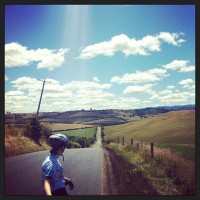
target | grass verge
[
  {"x": 16, "y": 143},
  {"x": 168, "y": 173}
]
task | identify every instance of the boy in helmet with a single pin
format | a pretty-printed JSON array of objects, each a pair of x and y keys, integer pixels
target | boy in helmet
[{"x": 52, "y": 170}]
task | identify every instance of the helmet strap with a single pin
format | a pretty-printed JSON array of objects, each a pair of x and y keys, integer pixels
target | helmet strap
[{"x": 62, "y": 156}]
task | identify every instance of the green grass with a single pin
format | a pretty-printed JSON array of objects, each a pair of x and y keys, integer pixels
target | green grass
[{"x": 86, "y": 132}]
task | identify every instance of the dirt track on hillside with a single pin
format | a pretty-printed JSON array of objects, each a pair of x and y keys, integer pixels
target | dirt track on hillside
[{"x": 123, "y": 178}]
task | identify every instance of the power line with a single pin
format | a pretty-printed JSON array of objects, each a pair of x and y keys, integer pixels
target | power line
[{"x": 30, "y": 71}]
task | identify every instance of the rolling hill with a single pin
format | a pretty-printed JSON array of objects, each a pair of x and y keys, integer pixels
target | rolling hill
[
  {"x": 177, "y": 127},
  {"x": 94, "y": 117}
]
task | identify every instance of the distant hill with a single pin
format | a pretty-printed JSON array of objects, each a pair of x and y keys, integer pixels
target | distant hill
[
  {"x": 159, "y": 109},
  {"x": 91, "y": 117},
  {"x": 95, "y": 117},
  {"x": 176, "y": 127}
]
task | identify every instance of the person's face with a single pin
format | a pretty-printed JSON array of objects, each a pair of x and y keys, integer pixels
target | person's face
[
  {"x": 67, "y": 145},
  {"x": 63, "y": 149}
]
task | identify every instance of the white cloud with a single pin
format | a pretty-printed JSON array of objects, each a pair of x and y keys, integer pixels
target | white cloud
[
  {"x": 165, "y": 92},
  {"x": 27, "y": 84},
  {"x": 15, "y": 93},
  {"x": 180, "y": 65},
  {"x": 154, "y": 96},
  {"x": 125, "y": 103},
  {"x": 139, "y": 89},
  {"x": 86, "y": 85},
  {"x": 181, "y": 97},
  {"x": 17, "y": 55},
  {"x": 171, "y": 98},
  {"x": 131, "y": 46},
  {"x": 141, "y": 77},
  {"x": 171, "y": 38},
  {"x": 187, "y": 83},
  {"x": 170, "y": 87},
  {"x": 56, "y": 96},
  {"x": 95, "y": 79}
]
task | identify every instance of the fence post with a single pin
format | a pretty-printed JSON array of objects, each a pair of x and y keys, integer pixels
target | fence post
[
  {"x": 138, "y": 146},
  {"x": 131, "y": 141},
  {"x": 152, "y": 150},
  {"x": 118, "y": 140},
  {"x": 141, "y": 143},
  {"x": 123, "y": 141}
]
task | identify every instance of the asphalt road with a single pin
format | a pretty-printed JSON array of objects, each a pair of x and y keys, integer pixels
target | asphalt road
[{"x": 84, "y": 166}]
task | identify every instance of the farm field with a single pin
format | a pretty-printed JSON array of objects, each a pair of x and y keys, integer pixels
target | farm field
[
  {"x": 86, "y": 132},
  {"x": 172, "y": 168},
  {"x": 175, "y": 127},
  {"x": 63, "y": 126},
  {"x": 107, "y": 121}
]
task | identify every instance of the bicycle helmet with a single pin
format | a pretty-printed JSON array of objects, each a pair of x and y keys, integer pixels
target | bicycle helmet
[{"x": 58, "y": 140}]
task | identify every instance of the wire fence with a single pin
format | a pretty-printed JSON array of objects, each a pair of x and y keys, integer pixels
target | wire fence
[{"x": 122, "y": 141}]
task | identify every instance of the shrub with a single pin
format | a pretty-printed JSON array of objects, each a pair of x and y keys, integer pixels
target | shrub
[
  {"x": 82, "y": 142},
  {"x": 33, "y": 129},
  {"x": 72, "y": 145},
  {"x": 46, "y": 132}
]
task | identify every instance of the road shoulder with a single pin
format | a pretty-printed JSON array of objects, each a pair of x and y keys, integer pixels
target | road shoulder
[{"x": 122, "y": 177}]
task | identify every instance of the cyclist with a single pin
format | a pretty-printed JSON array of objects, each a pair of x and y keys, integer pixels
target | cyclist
[{"x": 52, "y": 171}]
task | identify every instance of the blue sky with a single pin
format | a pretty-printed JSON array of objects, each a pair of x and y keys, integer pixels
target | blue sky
[{"x": 98, "y": 56}]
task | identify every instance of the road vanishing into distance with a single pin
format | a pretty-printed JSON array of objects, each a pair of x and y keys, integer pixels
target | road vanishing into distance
[{"x": 84, "y": 166}]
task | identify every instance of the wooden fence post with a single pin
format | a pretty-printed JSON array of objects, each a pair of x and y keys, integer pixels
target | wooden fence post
[
  {"x": 118, "y": 140},
  {"x": 152, "y": 150},
  {"x": 138, "y": 146},
  {"x": 141, "y": 143},
  {"x": 123, "y": 141},
  {"x": 131, "y": 141}
]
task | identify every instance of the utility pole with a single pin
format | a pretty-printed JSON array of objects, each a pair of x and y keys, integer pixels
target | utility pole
[{"x": 40, "y": 99}]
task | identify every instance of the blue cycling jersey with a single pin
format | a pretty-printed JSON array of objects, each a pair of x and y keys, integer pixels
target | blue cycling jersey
[{"x": 52, "y": 168}]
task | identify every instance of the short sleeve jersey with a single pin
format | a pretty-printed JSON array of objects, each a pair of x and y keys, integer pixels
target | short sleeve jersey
[{"x": 51, "y": 168}]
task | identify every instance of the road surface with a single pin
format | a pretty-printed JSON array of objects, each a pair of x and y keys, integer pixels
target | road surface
[{"x": 84, "y": 166}]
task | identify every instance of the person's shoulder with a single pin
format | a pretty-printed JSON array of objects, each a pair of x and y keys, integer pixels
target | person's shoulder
[{"x": 48, "y": 160}]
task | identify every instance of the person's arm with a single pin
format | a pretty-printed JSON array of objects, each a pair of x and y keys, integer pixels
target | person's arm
[
  {"x": 69, "y": 182},
  {"x": 47, "y": 187}
]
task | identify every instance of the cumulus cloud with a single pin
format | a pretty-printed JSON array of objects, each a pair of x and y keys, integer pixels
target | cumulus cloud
[
  {"x": 187, "y": 83},
  {"x": 131, "y": 46},
  {"x": 15, "y": 93},
  {"x": 171, "y": 38},
  {"x": 17, "y": 55},
  {"x": 139, "y": 89},
  {"x": 180, "y": 66},
  {"x": 56, "y": 97},
  {"x": 170, "y": 98},
  {"x": 27, "y": 84},
  {"x": 181, "y": 97},
  {"x": 170, "y": 87},
  {"x": 141, "y": 77},
  {"x": 80, "y": 85},
  {"x": 95, "y": 79}
]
